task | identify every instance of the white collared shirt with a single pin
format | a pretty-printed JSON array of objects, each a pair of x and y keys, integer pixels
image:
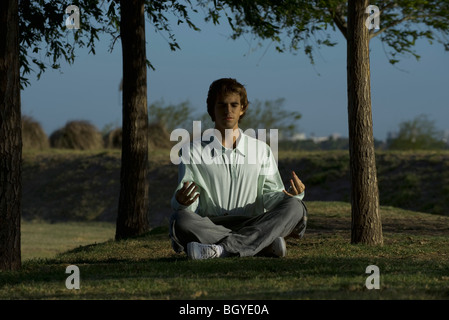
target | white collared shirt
[{"x": 240, "y": 181}]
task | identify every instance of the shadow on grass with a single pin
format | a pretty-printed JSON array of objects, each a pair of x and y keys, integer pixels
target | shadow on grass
[
  {"x": 237, "y": 278},
  {"x": 318, "y": 266}
]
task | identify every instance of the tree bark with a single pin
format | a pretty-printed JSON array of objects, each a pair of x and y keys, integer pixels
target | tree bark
[
  {"x": 366, "y": 223},
  {"x": 132, "y": 217},
  {"x": 10, "y": 137}
]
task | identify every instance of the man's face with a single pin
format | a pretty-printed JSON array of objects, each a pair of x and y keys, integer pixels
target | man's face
[{"x": 228, "y": 111}]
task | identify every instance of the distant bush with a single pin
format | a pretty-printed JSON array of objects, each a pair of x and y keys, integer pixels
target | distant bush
[
  {"x": 172, "y": 116},
  {"x": 271, "y": 114},
  {"x": 419, "y": 133},
  {"x": 80, "y": 135},
  {"x": 113, "y": 139},
  {"x": 158, "y": 137},
  {"x": 33, "y": 136}
]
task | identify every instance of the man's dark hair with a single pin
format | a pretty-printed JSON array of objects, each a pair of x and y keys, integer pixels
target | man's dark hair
[{"x": 222, "y": 87}]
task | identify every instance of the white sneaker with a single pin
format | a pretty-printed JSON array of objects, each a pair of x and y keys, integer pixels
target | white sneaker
[
  {"x": 278, "y": 248},
  {"x": 198, "y": 251}
]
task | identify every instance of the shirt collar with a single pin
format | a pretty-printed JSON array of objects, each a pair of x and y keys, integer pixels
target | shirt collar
[{"x": 240, "y": 145}]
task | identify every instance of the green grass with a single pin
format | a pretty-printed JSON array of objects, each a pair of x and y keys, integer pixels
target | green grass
[
  {"x": 45, "y": 240},
  {"x": 413, "y": 264},
  {"x": 66, "y": 193}
]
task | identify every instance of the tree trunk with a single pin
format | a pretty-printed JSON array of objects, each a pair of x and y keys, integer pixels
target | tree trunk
[
  {"x": 366, "y": 224},
  {"x": 132, "y": 217},
  {"x": 10, "y": 137}
]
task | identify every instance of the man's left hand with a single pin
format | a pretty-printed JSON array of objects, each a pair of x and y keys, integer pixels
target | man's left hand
[{"x": 296, "y": 186}]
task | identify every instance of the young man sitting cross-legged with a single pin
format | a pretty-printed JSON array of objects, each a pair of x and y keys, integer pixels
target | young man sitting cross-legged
[{"x": 232, "y": 202}]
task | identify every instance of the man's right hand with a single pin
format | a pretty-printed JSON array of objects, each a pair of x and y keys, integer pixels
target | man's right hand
[{"x": 186, "y": 195}]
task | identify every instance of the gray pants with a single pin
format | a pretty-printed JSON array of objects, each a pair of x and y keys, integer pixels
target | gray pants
[{"x": 239, "y": 235}]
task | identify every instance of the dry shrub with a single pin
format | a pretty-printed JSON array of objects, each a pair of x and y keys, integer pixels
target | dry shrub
[
  {"x": 113, "y": 139},
  {"x": 158, "y": 137},
  {"x": 33, "y": 136},
  {"x": 79, "y": 135}
]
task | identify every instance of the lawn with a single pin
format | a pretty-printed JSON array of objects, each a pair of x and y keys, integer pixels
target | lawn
[
  {"x": 44, "y": 240},
  {"x": 69, "y": 212},
  {"x": 413, "y": 263}
]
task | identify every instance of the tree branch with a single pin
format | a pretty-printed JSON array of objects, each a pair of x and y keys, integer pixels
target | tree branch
[
  {"x": 395, "y": 23},
  {"x": 339, "y": 20},
  {"x": 341, "y": 25},
  {"x": 388, "y": 6}
]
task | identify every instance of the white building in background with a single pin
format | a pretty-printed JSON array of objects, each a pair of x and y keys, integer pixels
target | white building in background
[
  {"x": 446, "y": 136},
  {"x": 300, "y": 136},
  {"x": 319, "y": 139},
  {"x": 335, "y": 136}
]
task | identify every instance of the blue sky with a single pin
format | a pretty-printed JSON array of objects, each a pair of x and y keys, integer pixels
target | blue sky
[{"x": 88, "y": 90}]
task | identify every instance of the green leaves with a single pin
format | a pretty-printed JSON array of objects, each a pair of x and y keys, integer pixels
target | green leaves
[
  {"x": 301, "y": 25},
  {"x": 171, "y": 116},
  {"x": 271, "y": 114},
  {"x": 159, "y": 12},
  {"x": 403, "y": 22},
  {"x": 419, "y": 133},
  {"x": 291, "y": 24},
  {"x": 42, "y": 31},
  {"x": 45, "y": 40}
]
